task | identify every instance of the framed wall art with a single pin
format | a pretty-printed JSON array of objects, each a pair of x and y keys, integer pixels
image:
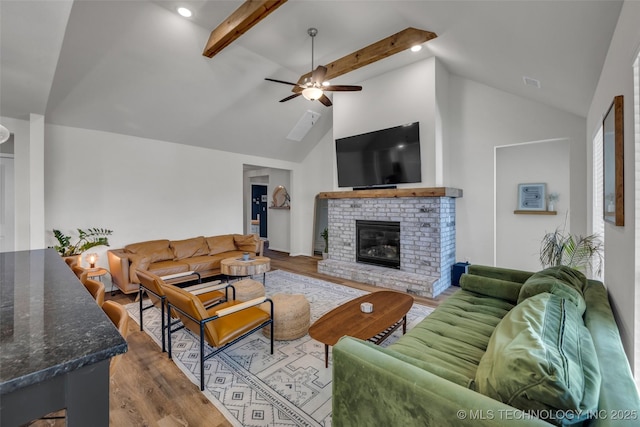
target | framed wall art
[
  {"x": 613, "y": 162},
  {"x": 532, "y": 197}
]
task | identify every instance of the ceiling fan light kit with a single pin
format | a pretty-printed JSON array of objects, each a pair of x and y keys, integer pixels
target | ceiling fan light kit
[
  {"x": 313, "y": 87},
  {"x": 312, "y": 93}
]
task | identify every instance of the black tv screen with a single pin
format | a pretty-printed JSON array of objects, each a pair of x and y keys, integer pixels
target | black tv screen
[{"x": 383, "y": 157}]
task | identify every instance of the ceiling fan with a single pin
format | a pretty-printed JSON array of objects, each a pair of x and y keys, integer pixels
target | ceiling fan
[{"x": 314, "y": 87}]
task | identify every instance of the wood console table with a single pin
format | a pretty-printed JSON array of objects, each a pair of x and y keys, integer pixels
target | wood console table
[{"x": 55, "y": 343}]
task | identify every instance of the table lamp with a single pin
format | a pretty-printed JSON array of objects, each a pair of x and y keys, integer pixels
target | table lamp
[{"x": 91, "y": 259}]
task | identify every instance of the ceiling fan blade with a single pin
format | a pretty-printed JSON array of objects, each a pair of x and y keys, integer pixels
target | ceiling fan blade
[
  {"x": 326, "y": 101},
  {"x": 318, "y": 74},
  {"x": 295, "y": 95},
  {"x": 281, "y": 81},
  {"x": 342, "y": 88}
]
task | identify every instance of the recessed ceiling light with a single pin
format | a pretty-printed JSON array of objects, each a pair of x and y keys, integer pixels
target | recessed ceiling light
[
  {"x": 416, "y": 48},
  {"x": 185, "y": 12}
]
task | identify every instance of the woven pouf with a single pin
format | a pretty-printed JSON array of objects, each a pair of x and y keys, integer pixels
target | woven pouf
[
  {"x": 248, "y": 289},
  {"x": 291, "y": 317}
]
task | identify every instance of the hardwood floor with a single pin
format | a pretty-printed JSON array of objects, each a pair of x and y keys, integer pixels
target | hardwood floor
[{"x": 148, "y": 389}]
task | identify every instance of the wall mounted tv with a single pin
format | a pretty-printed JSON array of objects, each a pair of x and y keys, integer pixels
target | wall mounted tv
[{"x": 380, "y": 158}]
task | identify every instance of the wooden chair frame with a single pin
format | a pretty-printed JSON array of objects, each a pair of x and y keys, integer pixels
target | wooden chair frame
[{"x": 202, "y": 323}]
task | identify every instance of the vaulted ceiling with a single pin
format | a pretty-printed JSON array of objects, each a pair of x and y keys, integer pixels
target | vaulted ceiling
[{"x": 136, "y": 67}]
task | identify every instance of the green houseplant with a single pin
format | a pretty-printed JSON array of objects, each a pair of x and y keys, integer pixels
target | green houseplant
[
  {"x": 577, "y": 252},
  {"x": 87, "y": 239},
  {"x": 325, "y": 236}
]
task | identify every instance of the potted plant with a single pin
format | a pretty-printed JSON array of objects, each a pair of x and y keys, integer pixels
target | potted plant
[
  {"x": 577, "y": 252},
  {"x": 325, "y": 236},
  {"x": 87, "y": 239}
]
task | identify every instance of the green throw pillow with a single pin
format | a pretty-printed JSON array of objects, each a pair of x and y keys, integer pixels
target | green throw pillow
[
  {"x": 560, "y": 280},
  {"x": 496, "y": 288},
  {"x": 541, "y": 359}
]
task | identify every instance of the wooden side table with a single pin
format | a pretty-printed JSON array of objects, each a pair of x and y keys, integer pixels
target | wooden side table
[
  {"x": 96, "y": 272},
  {"x": 237, "y": 267}
]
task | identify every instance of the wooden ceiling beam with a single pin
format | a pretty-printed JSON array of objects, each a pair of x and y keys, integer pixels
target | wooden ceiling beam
[
  {"x": 239, "y": 22},
  {"x": 375, "y": 52}
]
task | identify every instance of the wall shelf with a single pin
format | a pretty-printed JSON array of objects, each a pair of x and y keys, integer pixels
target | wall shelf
[
  {"x": 280, "y": 207},
  {"x": 535, "y": 212}
]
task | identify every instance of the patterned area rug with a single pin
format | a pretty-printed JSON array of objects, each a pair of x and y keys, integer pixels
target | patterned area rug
[{"x": 254, "y": 388}]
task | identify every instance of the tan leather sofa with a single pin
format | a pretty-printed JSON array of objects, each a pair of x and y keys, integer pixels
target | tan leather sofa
[{"x": 170, "y": 257}]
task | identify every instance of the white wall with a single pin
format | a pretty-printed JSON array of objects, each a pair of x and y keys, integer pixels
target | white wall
[
  {"x": 482, "y": 118},
  {"x": 314, "y": 175},
  {"x": 141, "y": 189},
  {"x": 622, "y": 266},
  {"x": 36, "y": 181},
  {"x": 23, "y": 184},
  {"x": 520, "y": 235},
  {"x": 402, "y": 96}
]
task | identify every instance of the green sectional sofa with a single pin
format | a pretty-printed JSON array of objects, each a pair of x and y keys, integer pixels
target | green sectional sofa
[{"x": 509, "y": 348}]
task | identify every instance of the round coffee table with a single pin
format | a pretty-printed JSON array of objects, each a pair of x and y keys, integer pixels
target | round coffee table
[{"x": 237, "y": 267}]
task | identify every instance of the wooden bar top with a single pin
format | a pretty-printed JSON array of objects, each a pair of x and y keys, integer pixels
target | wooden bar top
[{"x": 392, "y": 193}]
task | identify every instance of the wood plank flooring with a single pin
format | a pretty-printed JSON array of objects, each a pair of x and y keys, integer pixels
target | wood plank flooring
[{"x": 148, "y": 389}]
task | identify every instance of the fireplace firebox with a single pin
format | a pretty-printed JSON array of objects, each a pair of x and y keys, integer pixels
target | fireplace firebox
[{"x": 378, "y": 243}]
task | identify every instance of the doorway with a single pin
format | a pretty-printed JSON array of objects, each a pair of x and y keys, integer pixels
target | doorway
[{"x": 259, "y": 209}]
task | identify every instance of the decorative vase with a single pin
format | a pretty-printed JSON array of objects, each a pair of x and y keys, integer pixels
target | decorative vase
[
  {"x": 325, "y": 255},
  {"x": 552, "y": 207}
]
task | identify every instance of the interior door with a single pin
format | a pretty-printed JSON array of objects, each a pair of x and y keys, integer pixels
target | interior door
[{"x": 259, "y": 209}]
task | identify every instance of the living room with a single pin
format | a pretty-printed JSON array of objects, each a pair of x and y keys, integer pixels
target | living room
[{"x": 81, "y": 175}]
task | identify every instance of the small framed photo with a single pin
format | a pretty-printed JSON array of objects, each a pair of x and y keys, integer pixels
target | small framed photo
[{"x": 532, "y": 197}]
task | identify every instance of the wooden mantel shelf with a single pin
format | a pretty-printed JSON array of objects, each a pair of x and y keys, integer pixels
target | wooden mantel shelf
[
  {"x": 521, "y": 212},
  {"x": 396, "y": 192}
]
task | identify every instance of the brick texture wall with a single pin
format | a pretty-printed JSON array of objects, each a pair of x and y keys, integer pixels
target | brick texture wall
[{"x": 427, "y": 242}]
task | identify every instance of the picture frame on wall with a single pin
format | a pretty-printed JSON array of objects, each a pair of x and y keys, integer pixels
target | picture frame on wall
[
  {"x": 613, "y": 162},
  {"x": 532, "y": 197}
]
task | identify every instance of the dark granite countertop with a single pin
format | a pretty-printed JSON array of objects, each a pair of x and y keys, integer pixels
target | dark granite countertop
[{"x": 49, "y": 322}]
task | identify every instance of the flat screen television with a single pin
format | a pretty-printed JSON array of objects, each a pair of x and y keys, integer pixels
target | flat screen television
[{"x": 380, "y": 158}]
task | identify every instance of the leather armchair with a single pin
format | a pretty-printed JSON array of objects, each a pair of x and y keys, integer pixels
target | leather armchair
[
  {"x": 208, "y": 293},
  {"x": 220, "y": 326}
]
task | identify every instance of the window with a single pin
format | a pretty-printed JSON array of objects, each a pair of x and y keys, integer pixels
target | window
[
  {"x": 597, "y": 222},
  {"x": 636, "y": 121}
]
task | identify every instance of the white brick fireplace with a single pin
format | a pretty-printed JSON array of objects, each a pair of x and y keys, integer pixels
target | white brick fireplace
[{"x": 427, "y": 237}]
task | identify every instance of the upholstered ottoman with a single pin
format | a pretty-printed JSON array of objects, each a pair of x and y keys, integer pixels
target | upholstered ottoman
[
  {"x": 291, "y": 317},
  {"x": 248, "y": 289}
]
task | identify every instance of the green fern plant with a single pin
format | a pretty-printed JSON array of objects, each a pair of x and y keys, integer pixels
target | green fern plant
[
  {"x": 578, "y": 252},
  {"x": 87, "y": 239}
]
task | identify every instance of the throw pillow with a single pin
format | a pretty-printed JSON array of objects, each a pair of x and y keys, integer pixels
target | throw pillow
[
  {"x": 155, "y": 250},
  {"x": 188, "y": 248},
  {"x": 541, "y": 359},
  {"x": 496, "y": 288},
  {"x": 220, "y": 244},
  {"x": 247, "y": 243},
  {"x": 560, "y": 280}
]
